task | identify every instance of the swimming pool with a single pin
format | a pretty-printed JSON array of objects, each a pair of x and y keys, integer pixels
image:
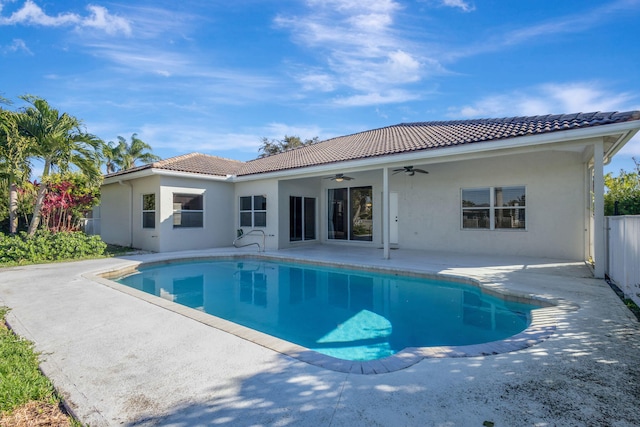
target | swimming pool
[{"x": 348, "y": 314}]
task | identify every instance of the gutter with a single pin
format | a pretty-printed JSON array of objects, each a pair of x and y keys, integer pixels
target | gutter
[
  {"x": 617, "y": 146},
  {"x": 163, "y": 172}
]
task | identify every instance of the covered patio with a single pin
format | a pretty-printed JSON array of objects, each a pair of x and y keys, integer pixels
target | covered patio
[{"x": 119, "y": 360}]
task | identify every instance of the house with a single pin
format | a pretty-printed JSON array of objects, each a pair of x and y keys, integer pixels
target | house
[{"x": 530, "y": 186}]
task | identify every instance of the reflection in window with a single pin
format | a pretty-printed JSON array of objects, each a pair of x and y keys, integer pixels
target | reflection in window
[
  {"x": 302, "y": 218},
  {"x": 494, "y": 208},
  {"x": 187, "y": 211},
  {"x": 253, "y": 211},
  {"x": 350, "y": 215},
  {"x": 148, "y": 211}
]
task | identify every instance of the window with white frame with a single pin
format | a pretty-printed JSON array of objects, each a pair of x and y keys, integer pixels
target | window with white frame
[
  {"x": 253, "y": 211},
  {"x": 188, "y": 210},
  {"x": 494, "y": 208},
  {"x": 148, "y": 211}
]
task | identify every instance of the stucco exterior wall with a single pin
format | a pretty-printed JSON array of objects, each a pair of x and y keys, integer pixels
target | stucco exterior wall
[
  {"x": 269, "y": 189},
  {"x": 430, "y": 206},
  {"x": 218, "y": 226},
  {"x": 115, "y": 214}
]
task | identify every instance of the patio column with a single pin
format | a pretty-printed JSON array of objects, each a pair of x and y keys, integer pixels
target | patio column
[
  {"x": 598, "y": 210},
  {"x": 386, "y": 234}
]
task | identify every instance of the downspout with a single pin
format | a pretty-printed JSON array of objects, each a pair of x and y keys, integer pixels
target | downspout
[{"x": 128, "y": 184}]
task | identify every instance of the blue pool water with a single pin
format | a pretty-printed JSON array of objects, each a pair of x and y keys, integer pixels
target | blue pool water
[{"x": 348, "y": 314}]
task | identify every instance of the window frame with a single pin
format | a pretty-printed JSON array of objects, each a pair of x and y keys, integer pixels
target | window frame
[
  {"x": 252, "y": 212},
  {"x": 492, "y": 208},
  {"x": 189, "y": 211},
  {"x": 147, "y": 211}
]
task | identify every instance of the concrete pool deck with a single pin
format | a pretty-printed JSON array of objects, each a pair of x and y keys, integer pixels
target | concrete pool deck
[{"x": 119, "y": 360}]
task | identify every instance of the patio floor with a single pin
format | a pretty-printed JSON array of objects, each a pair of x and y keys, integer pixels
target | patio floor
[{"x": 119, "y": 360}]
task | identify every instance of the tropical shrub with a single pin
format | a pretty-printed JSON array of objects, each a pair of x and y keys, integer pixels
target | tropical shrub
[{"x": 46, "y": 246}]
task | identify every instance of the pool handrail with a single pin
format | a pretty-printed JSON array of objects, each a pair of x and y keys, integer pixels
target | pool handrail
[{"x": 242, "y": 234}]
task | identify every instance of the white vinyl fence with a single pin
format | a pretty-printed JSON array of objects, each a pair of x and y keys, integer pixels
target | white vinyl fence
[{"x": 623, "y": 254}]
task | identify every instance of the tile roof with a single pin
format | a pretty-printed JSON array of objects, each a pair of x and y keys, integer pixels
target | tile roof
[
  {"x": 396, "y": 139},
  {"x": 411, "y": 137},
  {"x": 192, "y": 163}
]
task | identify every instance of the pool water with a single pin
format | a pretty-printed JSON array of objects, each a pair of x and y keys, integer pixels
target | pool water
[{"x": 347, "y": 314}]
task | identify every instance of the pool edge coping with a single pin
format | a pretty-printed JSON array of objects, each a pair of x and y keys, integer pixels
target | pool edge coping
[{"x": 543, "y": 320}]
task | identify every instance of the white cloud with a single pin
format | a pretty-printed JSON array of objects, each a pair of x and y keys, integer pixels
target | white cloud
[
  {"x": 377, "y": 98},
  {"x": 15, "y": 46},
  {"x": 279, "y": 130},
  {"x": 99, "y": 18},
  {"x": 465, "y": 6},
  {"x": 32, "y": 14},
  {"x": 551, "y": 98},
  {"x": 360, "y": 47}
]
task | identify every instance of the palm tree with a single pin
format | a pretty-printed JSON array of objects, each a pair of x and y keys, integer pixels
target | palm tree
[
  {"x": 126, "y": 155},
  {"x": 58, "y": 141},
  {"x": 112, "y": 153},
  {"x": 14, "y": 161}
]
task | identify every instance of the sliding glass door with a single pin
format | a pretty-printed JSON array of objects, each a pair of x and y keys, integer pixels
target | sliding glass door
[{"x": 350, "y": 215}]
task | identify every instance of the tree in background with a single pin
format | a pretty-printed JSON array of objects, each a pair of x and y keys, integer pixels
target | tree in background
[
  {"x": 275, "y": 146},
  {"x": 14, "y": 162},
  {"x": 59, "y": 142},
  {"x": 623, "y": 189},
  {"x": 124, "y": 155}
]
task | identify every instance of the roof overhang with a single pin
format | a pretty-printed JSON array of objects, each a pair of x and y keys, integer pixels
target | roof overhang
[{"x": 163, "y": 172}]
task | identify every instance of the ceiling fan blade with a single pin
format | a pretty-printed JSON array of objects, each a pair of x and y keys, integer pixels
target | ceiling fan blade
[{"x": 420, "y": 170}]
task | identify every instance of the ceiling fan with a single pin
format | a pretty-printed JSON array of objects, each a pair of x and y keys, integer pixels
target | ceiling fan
[
  {"x": 409, "y": 170},
  {"x": 339, "y": 177}
]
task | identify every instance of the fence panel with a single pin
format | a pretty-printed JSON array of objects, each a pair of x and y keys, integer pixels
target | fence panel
[{"x": 623, "y": 246}]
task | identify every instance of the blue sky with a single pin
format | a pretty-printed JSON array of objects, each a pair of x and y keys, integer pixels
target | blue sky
[{"x": 215, "y": 77}]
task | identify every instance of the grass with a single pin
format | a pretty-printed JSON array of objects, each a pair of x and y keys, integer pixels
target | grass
[{"x": 27, "y": 397}]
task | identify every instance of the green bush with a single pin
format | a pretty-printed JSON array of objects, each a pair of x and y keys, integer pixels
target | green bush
[{"x": 46, "y": 246}]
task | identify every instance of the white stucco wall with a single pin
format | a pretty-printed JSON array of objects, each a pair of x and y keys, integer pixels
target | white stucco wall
[
  {"x": 115, "y": 214},
  {"x": 429, "y": 208},
  {"x": 218, "y": 226},
  {"x": 430, "y": 212}
]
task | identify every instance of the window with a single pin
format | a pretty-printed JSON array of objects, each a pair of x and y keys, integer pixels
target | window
[
  {"x": 253, "y": 211},
  {"x": 187, "y": 211},
  {"x": 148, "y": 211},
  {"x": 302, "y": 218},
  {"x": 494, "y": 208},
  {"x": 351, "y": 213}
]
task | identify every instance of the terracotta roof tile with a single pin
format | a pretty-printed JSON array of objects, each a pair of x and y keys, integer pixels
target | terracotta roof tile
[
  {"x": 407, "y": 137},
  {"x": 401, "y": 138},
  {"x": 192, "y": 163}
]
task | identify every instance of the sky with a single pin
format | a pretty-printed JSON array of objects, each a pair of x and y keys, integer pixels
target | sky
[{"x": 216, "y": 76}]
